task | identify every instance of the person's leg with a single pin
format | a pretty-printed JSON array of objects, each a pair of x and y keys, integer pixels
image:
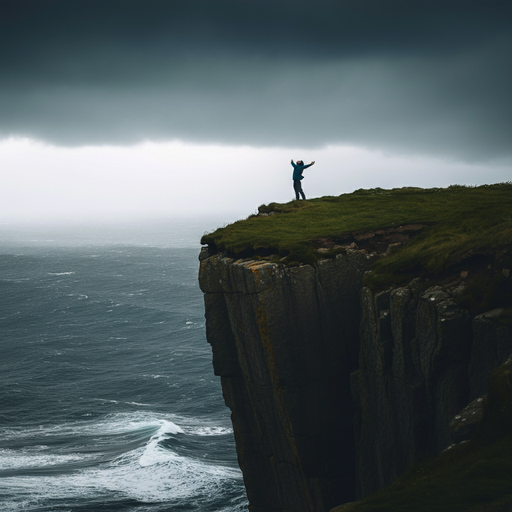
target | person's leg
[
  {"x": 297, "y": 188},
  {"x": 301, "y": 191}
]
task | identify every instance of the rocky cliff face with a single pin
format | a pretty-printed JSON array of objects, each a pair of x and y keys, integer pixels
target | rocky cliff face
[
  {"x": 334, "y": 391},
  {"x": 285, "y": 341},
  {"x": 422, "y": 360}
]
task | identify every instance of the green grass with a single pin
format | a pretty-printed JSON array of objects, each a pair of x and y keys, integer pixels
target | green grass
[
  {"x": 467, "y": 220},
  {"x": 463, "y": 480},
  {"x": 474, "y": 477}
]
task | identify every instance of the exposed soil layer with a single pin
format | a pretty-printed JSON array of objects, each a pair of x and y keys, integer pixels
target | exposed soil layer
[{"x": 376, "y": 240}]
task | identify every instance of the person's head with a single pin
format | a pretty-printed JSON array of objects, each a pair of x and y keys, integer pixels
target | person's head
[{"x": 300, "y": 162}]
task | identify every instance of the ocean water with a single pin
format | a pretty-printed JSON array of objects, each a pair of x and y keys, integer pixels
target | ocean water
[{"x": 108, "y": 400}]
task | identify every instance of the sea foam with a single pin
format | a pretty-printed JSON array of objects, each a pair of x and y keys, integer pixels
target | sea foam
[{"x": 150, "y": 473}]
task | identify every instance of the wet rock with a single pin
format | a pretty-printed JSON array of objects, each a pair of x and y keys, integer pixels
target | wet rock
[{"x": 464, "y": 425}]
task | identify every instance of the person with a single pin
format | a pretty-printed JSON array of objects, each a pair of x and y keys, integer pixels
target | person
[{"x": 297, "y": 176}]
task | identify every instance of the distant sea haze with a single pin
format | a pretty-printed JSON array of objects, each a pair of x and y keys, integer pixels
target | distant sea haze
[{"x": 108, "y": 398}]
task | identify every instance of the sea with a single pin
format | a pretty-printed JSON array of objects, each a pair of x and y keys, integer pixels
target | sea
[{"x": 108, "y": 401}]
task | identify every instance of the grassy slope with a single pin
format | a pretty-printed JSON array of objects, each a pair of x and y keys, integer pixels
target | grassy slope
[{"x": 466, "y": 219}]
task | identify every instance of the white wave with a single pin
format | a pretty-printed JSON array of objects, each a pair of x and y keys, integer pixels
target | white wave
[
  {"x": 174, "y": 480},
  {"x": 148, "y": 474},
  {"x": 209, "y": 431},
  {"x": 80, "y": 296},
  {"x": 193, "y": 325},
  {"x": 200, "y": 426},
  {"x": 119, "y": 423},
  {"x": 106, "y": 400},
  {"x": 60, "y": 273},
  {"x": 154, "y": 453},
  {"x": 151, "y": 473},
  {"x": 32, "y": 458}
]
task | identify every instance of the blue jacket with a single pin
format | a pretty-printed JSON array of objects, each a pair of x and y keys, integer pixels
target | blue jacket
[{"x": 297, "y": 170}]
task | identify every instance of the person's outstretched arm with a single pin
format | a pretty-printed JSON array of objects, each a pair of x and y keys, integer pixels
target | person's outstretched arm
[
  {"x": 309, "y": 165},
  {"x": 293, "y": 164}
]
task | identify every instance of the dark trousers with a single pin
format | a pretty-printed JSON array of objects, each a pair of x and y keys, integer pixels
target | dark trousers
[{"x": 297, "y": 186}]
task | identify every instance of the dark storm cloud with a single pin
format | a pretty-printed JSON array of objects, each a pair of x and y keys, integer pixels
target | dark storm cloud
[{"x": 411, "y": 75}]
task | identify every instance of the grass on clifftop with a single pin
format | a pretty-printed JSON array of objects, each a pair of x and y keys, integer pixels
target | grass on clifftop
[{"x": 466, "y": 221}]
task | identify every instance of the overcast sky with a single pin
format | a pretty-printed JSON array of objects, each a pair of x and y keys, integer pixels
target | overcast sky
[{"x": 161, "y": 107}]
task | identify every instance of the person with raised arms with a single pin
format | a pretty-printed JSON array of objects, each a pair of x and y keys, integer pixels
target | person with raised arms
[{"x": 297, "y": 177}]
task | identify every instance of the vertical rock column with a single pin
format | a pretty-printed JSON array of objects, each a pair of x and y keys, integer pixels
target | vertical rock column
[
  {"x": 491, "y": 348},
  {"x": 285, "y": 341},
  {"x": 412, "y": 379}
]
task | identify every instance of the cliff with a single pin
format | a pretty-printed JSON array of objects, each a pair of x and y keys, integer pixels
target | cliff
[
  {"x": 335, "y": 389},
  {"x": 285, "y": 341},
  {"x": 332, "y": 396},
  {"x": 422, "y": 360}
]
